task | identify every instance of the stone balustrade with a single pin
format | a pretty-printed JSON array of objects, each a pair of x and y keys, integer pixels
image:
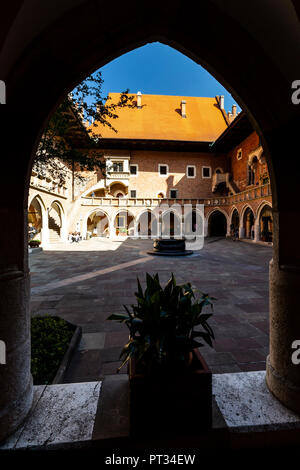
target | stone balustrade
[{"x": 248, "y": 195}]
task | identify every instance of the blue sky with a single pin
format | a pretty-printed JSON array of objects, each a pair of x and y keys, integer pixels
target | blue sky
[{"x": 159, "y": 69}]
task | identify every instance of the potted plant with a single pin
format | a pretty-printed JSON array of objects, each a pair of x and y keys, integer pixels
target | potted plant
[
  {"x": 170, "y": 384},
  {"x": 34, "y": 243}
]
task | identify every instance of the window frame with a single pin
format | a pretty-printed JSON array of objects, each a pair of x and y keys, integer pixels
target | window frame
[
  {"x": 123, "y": 217},
  {"x": 208, "y": 168},
  {"x": 239, "y": 152},
  {"x": 137, "y": 169},
  {"x": 118, "y": 163},
  {"x": 167, "y": 167},
  {"x": 187, "y": 171},
  {"x": 176, "y": 190}
]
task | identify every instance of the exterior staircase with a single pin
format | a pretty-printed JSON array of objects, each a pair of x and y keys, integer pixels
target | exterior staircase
[
  {"x": 219, "y": 178},
  {"x": 54, "y": 229}
]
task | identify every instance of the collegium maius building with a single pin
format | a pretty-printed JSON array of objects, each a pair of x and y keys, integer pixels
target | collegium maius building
[{"x": 168, "y": 151}]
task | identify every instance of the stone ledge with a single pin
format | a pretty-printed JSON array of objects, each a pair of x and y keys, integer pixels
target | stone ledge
[
  {"x": 62, "y": 415},
  {"x": 245, "y": 414}
]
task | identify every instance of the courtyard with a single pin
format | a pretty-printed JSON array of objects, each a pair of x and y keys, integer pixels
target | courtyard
[{"x": 86, "y": 282}]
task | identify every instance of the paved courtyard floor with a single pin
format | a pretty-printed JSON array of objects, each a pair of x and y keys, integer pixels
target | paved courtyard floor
[{"x": 84, "y": 283}]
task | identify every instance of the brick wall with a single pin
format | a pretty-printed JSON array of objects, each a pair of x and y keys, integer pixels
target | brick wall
[
  {"x": 149, "y": 183},
  {"x": 239, "y": 168}
]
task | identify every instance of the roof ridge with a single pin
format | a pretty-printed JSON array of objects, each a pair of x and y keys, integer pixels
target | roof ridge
[{"x": 173, "y": 96}]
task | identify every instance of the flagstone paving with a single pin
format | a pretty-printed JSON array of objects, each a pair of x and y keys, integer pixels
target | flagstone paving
[{"x": 87, "y": 282}]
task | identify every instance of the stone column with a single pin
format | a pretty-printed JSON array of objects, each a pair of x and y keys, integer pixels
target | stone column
[
  {"x": 15, "y": 377},
  {"x": 45, "y": 229},
  {"x": 256, "y": 230},
  {"x": 283, "y": 377}
]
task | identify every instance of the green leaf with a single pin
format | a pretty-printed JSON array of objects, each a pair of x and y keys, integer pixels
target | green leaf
[{"x": 121, "y": 317}]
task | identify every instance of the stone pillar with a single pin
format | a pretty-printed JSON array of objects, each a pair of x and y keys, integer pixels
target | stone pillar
[
  {"x": 256, "y": 230},
  {"x": 16, "y": 388},
  {"x": 228, "y": 230},
  {"x": 45, "y": 229},
  {"x": 283, "y": 377},
  {"x": 241, "y": 232},
  {"x": 15, "y": 377}
]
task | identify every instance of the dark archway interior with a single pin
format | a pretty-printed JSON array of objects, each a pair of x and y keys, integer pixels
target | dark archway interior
[
  {"x": 217, "y": 225},
  {"x": 235, "y": 220}
]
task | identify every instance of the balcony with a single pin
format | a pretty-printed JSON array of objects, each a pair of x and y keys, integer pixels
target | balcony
[
  {"x": 248, "y": 195},
  {"x": 117, "y": 175}
]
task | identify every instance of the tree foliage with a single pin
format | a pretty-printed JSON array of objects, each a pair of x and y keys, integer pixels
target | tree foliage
[{"x": 61, "y": 145}]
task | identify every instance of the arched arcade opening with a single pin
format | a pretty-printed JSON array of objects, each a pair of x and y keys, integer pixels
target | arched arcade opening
[
  {"x": 147, "y": 225},
  {"x": 98, "y": 225},
  {"x": 35, "y": 220},
  {"x": 266, "y": 224},
  {"x": 217, "y": 224},
  {"x": 55, "y": 222},
  {"x": 124, "y": 223}
]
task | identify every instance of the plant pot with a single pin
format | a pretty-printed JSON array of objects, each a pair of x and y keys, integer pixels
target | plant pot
[
  {"x": 34, "y": 244},
  {"x": 178, "y": 403}
]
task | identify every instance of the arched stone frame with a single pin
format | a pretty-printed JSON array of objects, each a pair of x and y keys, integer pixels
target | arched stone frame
[
  {"x": 217, "y": 209},
  {"x": 278, "y": 121},
  {"x": 64, "y": 228},
  {"x": 132, "y": 228},
  {"x": 124, "y": 190},
  {"x": 45, "y": 230},
  {"x": 239, "y": 153},
  {"x": 95, "y": 187},
  {"x": 220, "y": 169},
  {"x": 232, "y": 210},
  {"x": 137, "y": 219},
  {"x": 164, "y": 213},
  {"x": 257, "y": 234},
  {"x": 89, "y": 213},
  {"x": 242, "y": 215},
  {"x": 257, "y": 153},
  {"x": 201, "y": 215}
]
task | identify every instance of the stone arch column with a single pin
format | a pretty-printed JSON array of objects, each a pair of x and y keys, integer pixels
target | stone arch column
[
  {"x": 16, "y": 388},
  {"x": 283, "y": 376}
]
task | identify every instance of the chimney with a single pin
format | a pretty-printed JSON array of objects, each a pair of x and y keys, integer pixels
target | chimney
[
  {"x": 139, "y": 100},
  {"x": 221, "y": 102},
  {"x": 234, "y": 111},
  {"x": 183, "y": 108}
]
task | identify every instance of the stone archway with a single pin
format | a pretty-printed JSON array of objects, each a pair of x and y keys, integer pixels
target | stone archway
[
  {"x": 52, "y": 56},
  {"x": 265, "y": 221},
  {"x": 170, "y": 225},
  {"x": 55, "y": 222},
  {"x": 97, "y": 225},
  {"x": 235, "y": 222},
  {"x": 147, "y": 225},
  {"x": 193, "y": 224},
  {"x": 35, "y": 220},
  {"x": 124, "y": 223}
]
